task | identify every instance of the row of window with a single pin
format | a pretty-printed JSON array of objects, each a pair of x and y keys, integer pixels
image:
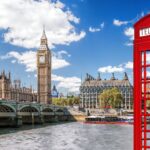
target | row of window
[{"x": 101, "y": 90}]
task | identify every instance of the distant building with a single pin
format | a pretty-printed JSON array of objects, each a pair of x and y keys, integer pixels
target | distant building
[
  {"x": 55, "y": 93},
  {"x": 13, "y": 91},
  {"x": 91, "y": 88}
]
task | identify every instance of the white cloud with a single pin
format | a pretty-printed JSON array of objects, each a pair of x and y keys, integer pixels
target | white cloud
[
  {"x": 129, "y": 32},
  {"x": 59, "y": 4},
  {"x": 61, "y": 53},
  {"x": 147, "y": 58},
  {"x": 94, "y": 29},
  {"x": 119, "y": 68},
  {"x": 129, "y": 44},
  {"x": 28, "y": 59},
  {"x": 148, "y": 74},
  {"x": 29, "y": 76},
  {"x": 102, "y": 25},
  {"x": 32, "y": 14},
  {"x": 111, "y": 69},
  {"x": 91, "y": 29},
  {"x": 35, "y": 75},
  {"x": 58, "y": 63},
  {"x": 117, "y": 22},
  {"x": 71, "y": 84},
  {"x": 13, "y": 61},
  {"x": 129, "y": 65}
]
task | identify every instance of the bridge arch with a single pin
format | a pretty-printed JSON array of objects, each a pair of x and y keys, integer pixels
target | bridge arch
[
  {"x": 29, "y": 108},
  {"x": 7, "y": 108}
]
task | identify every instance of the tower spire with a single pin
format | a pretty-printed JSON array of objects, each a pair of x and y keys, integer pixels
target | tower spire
[
  {"x": 44, "y": 43},
  {"x": 44, "y": 34}
]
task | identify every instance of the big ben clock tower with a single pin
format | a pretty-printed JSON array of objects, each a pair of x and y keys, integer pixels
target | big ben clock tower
[{"x": 44, "y": 71}]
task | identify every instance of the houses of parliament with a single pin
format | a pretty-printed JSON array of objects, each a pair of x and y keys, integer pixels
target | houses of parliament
[{"x": 12, "y": 90}]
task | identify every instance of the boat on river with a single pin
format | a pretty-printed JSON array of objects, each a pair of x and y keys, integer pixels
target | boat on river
[{"x": 109, "y": 119}]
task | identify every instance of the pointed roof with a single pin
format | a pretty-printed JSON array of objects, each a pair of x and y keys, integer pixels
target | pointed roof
[
  {"x": 125, "y": 76},
  {"x": 44, "y": 34},
  {"x": 87, "y": 77},
  {"x": 54, "y": 88},
  {"x": 113, "y": 77},
  {"x": 9, "y": 75},
  {"x": 44, "y": 42},
  {"x": 106, "y": 83}
]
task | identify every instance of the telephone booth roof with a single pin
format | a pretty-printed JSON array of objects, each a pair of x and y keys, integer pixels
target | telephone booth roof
[
  {"x": 143, "y": 20},
  {"x": 142, "y": 34}
]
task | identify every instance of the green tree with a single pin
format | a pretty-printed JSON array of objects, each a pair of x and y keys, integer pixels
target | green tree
[
  {"x": 76, "y": 100},
  {"x": 110, "y": 98},
  {"x": 69, "y": 101}
]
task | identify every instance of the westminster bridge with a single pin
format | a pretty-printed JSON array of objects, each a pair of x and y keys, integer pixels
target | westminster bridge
[{"x": 14, "y": 113}]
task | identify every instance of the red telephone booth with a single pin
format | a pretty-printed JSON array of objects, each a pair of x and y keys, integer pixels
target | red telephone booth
[{"x": 142, "y": 84}]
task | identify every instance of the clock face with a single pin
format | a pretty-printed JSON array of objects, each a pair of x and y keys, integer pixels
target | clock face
[{"x": 42, "y": 59}]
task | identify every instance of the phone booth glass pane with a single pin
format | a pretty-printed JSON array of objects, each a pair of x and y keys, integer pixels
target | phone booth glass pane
[{"x": 145, "y": 98}]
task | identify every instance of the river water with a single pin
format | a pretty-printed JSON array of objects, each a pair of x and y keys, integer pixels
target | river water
[{"x": 68, "y": 136}]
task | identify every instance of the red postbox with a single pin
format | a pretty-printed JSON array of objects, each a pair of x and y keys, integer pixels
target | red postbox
[{"x": 142, "y": 83}]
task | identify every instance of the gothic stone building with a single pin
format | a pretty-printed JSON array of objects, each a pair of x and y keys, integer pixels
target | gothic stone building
[
  {"x": 44, "y": 71},
  {"x": 13, "y": 91},
  {"x": 91, "y": 88}
]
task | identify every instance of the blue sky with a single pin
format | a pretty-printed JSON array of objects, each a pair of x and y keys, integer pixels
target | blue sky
[{"x": 84, "y": 35}]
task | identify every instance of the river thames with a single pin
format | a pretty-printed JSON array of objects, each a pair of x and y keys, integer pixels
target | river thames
[{"x": 69, "y": 136}]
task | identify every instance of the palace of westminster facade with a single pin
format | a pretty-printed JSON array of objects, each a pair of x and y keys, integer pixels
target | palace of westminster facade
[{"x": 12, "y": 90}]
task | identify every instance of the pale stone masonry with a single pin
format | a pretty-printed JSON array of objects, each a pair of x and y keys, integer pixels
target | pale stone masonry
[
  {"x": 44, "y": 71},
  {"x": 91, "y": 88},
  {"x": 14, "y": 91}
]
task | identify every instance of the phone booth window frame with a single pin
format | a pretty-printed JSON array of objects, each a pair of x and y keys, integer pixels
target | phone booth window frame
[{"x": 141, "y": 83}]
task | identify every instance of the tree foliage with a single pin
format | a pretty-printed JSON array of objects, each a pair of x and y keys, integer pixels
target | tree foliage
[
  {"x": 110, "y": 98},
  {"x": 69, "y": 101}
]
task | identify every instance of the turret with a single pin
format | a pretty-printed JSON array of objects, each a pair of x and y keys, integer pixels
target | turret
[
  {"x": 3, "y": 73},
  {"x": 125, "y": 76},
  {"x": 9, "y": 76},
  {"x": 113, "y": 77},
  {"x": 54, "y": 88},
  {"x": 99, "y": 76},
  {"x": 87, "y": 77}
]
